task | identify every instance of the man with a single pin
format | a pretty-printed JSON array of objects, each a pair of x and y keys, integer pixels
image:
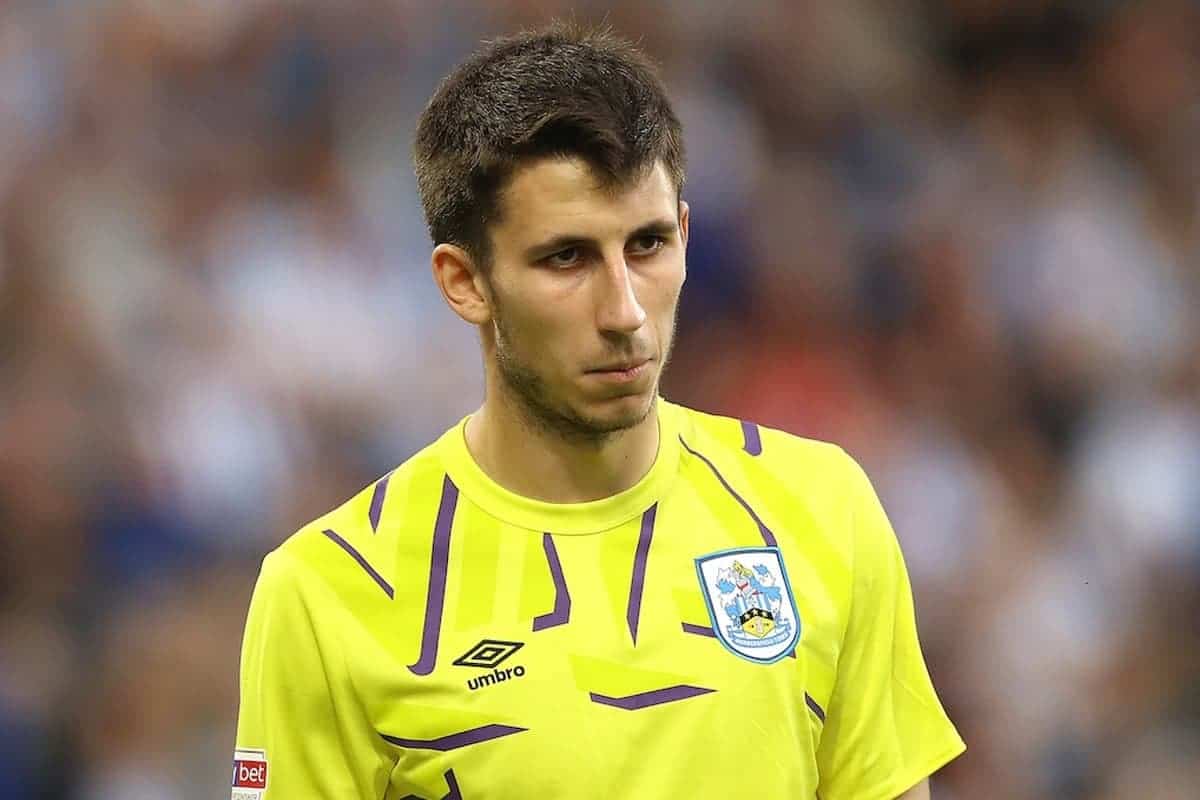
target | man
[{"x": 582, "y": 590}]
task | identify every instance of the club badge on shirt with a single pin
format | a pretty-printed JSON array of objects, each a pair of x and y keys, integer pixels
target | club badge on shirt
[
  {"x": 750, "y": 602},
  {"x": 249, "y": 774}
]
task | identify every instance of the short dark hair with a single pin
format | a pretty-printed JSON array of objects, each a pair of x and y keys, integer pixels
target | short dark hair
[{"x": 565, "y": 90}]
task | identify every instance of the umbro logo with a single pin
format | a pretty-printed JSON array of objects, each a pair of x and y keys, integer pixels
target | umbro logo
[{"x": 489, "y": 654}]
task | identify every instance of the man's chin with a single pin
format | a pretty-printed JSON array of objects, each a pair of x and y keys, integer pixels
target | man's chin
[{"x": 617, "y": 414}]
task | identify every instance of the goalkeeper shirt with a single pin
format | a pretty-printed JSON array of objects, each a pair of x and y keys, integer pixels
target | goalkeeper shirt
[{"x": 739, "y": 623}]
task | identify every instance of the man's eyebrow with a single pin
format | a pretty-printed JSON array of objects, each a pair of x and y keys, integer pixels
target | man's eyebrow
[{"x": 659, "y": 227}]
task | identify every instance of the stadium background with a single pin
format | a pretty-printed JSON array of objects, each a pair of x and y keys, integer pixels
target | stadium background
[{"x": 960, "y": 237}]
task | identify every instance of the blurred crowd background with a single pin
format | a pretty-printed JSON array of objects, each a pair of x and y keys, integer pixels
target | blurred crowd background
[{"x": 959, "y": 237}]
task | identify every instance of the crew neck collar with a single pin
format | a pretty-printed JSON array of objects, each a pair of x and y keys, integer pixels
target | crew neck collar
[{"x": 593, "y": 516}]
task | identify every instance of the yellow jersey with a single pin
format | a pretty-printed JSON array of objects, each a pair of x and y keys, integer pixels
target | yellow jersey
[{"x": 739, "y": 623}]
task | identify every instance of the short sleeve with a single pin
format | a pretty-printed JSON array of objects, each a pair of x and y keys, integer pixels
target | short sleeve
[
  {"x": 885, "y": 728},
  {"x": 301, "y": 730}
]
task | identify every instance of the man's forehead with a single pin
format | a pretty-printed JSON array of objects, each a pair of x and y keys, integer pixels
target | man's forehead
[{"x": 558, "y": 190}]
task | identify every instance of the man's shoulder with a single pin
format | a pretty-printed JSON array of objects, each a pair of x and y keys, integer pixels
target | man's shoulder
[
  {"x": 784, "y": 477},
  {"x": 723, "y": 437},
  {"x": 355, "y": 542}
]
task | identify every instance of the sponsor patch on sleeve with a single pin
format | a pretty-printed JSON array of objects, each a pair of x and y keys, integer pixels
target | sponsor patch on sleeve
[{"x": 249, "y": 774}]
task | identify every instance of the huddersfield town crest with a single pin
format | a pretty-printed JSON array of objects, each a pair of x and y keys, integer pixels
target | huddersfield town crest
[{"x": 750, "y": 602}]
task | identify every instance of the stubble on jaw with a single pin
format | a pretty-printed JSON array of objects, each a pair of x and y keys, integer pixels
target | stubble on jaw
[
  {"x": 536, "y": 408},
  {"x": 534, "y": 402}
]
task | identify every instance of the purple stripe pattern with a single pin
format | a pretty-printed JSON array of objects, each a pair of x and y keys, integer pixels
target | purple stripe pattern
[
  {"x": 657, "y": 697},
  {"x": 634, "y": 610},
  {"x": 753, "y": 442},
  {"x": 456, "y": 740},
  {"x": 362, "y": 562},
  {"x": 699, "y": 630},
  {"x": 451, "y": 781},
  {"x": 816, "y": 709},
  {"x": 377, "y": 497},
  {"x": 436, "y": 597},
  {"x": 561, "y": 614},
  {"x": 768, "y": 537}
]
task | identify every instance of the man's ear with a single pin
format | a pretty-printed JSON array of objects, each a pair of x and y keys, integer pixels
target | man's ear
[
  {"x": 683, "y": 232},
  {"x": 461, "y": 283}
]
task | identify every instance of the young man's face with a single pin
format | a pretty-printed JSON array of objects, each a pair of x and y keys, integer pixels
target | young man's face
[{"x": 584, "y": 283}]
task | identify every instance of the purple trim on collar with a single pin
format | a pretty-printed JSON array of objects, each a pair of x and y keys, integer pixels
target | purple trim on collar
[
  {"x": 634, "y": 609},
  {"x": 768, "y": 537},
  {"x": 377, "y": 497},
  {"x": 455, "y": 740},
  {"x": 752, "y": 440},
  {"x": 436, "y": 598},
  {"x": 561, "y": 614},
  {"x": 362, "y": 562},
  {"x": 657, "y": 697}
]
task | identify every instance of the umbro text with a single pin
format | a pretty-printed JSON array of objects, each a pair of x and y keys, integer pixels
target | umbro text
[{"x": 495, "y": 676}]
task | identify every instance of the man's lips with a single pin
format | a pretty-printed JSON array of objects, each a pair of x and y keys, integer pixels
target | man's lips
[
  {"x": 622, "y": 366},
  {"x": 621, "y": 372}
]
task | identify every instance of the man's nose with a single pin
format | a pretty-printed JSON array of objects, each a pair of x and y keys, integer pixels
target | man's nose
[{"x": 618, "y": 307}]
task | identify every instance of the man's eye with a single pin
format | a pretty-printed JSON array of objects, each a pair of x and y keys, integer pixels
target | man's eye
[
  {"x": 564, "y": 258},
  {"x": 644, "y": 245}
]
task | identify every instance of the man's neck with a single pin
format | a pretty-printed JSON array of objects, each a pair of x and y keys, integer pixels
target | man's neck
[{"x": 536, "y": 462}]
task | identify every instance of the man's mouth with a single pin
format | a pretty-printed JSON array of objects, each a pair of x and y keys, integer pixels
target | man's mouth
[
  {"x": 622, "y": 366},
  {"x": 621, "y": 371}
]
